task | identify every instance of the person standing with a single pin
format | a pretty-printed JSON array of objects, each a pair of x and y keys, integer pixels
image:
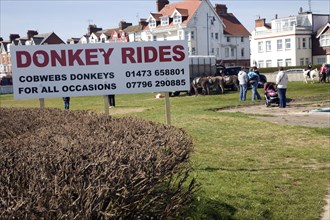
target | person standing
[
  {"x": 323, "y": 73},
  {"x": 255, "y": 69},
  {"x": 254, "y": 81},
  {"x": 243, "y": 82},
  {"x": 66, "y": 103},
  {"x": 111, "y": 99},
  {"x": 281, "y": 82}
]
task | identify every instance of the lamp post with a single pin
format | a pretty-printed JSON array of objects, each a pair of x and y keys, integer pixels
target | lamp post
[{"x": 207, "y": 32}]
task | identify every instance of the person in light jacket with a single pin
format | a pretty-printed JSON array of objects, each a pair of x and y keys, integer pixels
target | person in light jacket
[
  {"x": 243, "y": 84},
  {"x": 281, "y": 82}
]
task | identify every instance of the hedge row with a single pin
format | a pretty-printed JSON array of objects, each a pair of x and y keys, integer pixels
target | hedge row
[{"x": 58, "y": 164}]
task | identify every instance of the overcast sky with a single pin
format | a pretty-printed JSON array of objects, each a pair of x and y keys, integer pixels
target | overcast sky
[{"x": 71, "y": 18}]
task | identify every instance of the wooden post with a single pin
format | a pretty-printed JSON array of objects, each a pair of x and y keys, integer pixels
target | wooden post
[
  {"x": 167, "y": 108},
  {"x": 42, "y": 103},
  {"x": 106, "y": 104}
]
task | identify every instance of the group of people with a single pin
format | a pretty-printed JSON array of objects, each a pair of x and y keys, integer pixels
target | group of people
[
  {"x": 323, "y": 72},
  {"x": 251, "y": 77}
]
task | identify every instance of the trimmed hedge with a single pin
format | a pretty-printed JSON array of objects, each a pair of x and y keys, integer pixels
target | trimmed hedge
[
  {"x": 58, "y": 164},
  {"x": 274, "y": 69}
]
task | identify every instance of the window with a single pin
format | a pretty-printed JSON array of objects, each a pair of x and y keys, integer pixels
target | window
[
  {"x": 138, "y": 36},
  {"x": 212, "y": 51},
  {"x": 288, "y": 44},
  {"x": 242, "y": 39},
  {"x": 217, "y": 36},
  {"x": 212, "y": 35},
  {"x": 280, "y": 62},
  {"x": 306, "y": 61},
  {"x": 261, "y": 64},
  {"x": 298, "y": 44},
  {"x": 232, "y": 52},
  {"x": 301, "y": 61},
  {"x": 186, "y": 35},
  {"x": 279, "y": 45},
  {"x": 177, "y": 19},
  {"x": 149, "y": 38},
  {"x": 320, "y": 60},
  {"x": 268, "y": 46},
  {"x": 227, "y": 52},
  {"x": 115, "y": 38},
  {"x": 154, "y": 38},
  {"x": 242, "y": 52},
  {"x": 164, "y": 21},
  {"x": 325, "y": 40},
  {"x": 180, "y": 34},
  {"x": 268, "y": 63},
  {"x": 218, "y": 52},
  {"x": 193, "y": 50},
  {"x": 228, "y": 39},
  {"x": 304, "y": 43},
  {"x": 260, "y": 47},
  {"x": 152, "y": 23},
  {"x": 287, "y": 62},
  {"x": 192, "y": 35},
  {"x": 165, "y": 37}
]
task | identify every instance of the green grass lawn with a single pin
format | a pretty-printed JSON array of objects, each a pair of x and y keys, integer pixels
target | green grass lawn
[{"x": 248, "y": 168}]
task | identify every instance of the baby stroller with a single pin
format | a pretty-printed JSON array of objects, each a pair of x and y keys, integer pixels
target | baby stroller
[{"x": 271, "y": 95}]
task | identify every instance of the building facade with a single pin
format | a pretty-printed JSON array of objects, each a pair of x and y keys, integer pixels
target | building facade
[{"x": 288, "y": 41}]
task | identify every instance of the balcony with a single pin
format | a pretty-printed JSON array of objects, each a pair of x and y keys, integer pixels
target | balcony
[{"x": 284, "y": 31}]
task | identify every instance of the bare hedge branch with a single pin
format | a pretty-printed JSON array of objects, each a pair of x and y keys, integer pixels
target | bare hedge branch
[{"x": 58, "y": 164}]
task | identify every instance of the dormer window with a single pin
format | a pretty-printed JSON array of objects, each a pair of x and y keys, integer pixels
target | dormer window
[
  {"x": 152, "y": 23},
  {"x": 177, "y": 18},
  {"x": 164, "y": 21}
]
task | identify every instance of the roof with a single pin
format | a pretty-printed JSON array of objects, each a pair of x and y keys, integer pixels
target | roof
[
  {"x": 233, "y": 26},
  {"x": 42, "y": 38},
  {"x": 322, "y": 30},
  {"x": 186, "y": 8},
  {"x": 134, "y": 28}
]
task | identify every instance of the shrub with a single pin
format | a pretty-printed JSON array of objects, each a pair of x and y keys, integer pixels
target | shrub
[{"x": 58, "y": 164}]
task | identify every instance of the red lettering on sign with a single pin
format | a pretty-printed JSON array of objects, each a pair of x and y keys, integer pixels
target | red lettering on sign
[
  {"x": 152, "y": 54},
  {"x": 23, "y": 59}
]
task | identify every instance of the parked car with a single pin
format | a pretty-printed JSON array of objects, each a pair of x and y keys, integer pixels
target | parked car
[
  {"x": 6, "y": 80},
  {"x": 234, "y": 70}
]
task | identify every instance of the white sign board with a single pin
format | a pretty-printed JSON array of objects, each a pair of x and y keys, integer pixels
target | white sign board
[{"x": 63, "y": 70}]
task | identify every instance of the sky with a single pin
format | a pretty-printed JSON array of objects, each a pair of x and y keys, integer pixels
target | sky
[{"x": 70, "y": 18}]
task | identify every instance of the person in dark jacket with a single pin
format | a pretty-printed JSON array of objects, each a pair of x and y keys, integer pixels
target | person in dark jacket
[
  {"x": 112, "y": 101},
  {"x": 66, "y": 102}
]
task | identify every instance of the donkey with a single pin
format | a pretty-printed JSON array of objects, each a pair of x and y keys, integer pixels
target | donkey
[{"x": 204, "y": 84}]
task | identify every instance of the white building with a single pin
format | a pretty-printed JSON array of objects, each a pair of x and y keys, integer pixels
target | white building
[
  {"x": 193, "y": 20},
  {"x": 286, "y": 41},
  {"x": 209, "y": 30}
]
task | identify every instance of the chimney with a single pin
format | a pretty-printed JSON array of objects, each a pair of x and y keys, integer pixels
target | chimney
[
  {"x": 123, "y": 24},
  {"x": 31, "y": 34},
  {"x": 260, "y": 22},
  {"x": 92, "y": 28},
  {"x": 143, "y": 22},
  {"x": 221, "y": 9},
  {"x": 12, "y": 37},
  {"x": 160, "y": 4}
]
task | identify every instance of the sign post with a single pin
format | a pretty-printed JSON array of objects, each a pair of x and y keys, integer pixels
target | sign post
[{"x": 167, "y": 108}]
